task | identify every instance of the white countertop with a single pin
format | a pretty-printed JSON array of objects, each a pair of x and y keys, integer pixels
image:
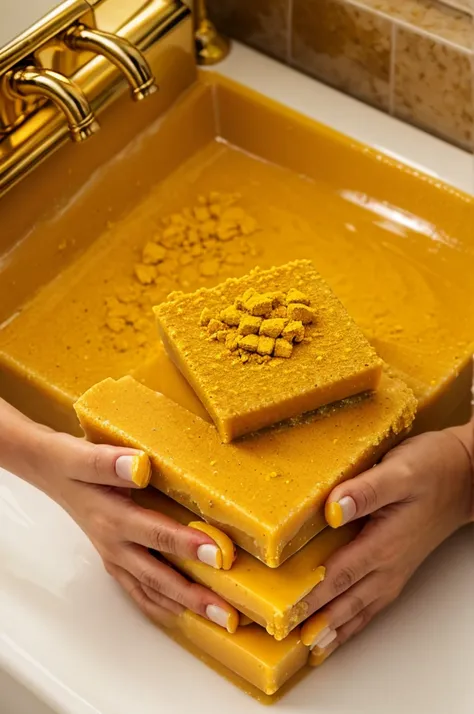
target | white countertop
[{"x": 68, "y": 634}]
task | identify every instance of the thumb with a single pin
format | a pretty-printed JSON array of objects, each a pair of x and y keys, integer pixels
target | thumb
[
  {"x": 380, "y": 486},
  {"x": 98, "y": 463}
]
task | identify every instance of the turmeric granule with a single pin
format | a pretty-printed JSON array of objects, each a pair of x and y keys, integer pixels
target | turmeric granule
[{"x": 251, "y": 324}]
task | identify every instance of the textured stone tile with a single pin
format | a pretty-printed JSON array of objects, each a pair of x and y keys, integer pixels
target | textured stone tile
[
  {"x": 345, "y": 46},
  {"x": 436, "y": 18},
  {"x": 433, "y": 87},
  {"x": 262, "y": 24}
]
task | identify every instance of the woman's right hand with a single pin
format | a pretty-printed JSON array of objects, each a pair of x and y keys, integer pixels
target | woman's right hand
[{"x": 93, "y": 483}]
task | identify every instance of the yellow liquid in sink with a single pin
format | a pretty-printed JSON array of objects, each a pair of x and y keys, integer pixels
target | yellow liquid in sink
[{"x": 390, "y": 269}]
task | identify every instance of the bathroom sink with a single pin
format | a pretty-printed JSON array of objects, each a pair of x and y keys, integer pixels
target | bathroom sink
[
  {"x": 16, "y": 698},
  {"x": 394, "y": 244}
]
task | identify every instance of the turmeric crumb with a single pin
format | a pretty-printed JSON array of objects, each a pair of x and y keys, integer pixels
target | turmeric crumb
[
  {"x": 249, "y": 325},
  {"x": 295, "y": 295},
  {"x": 231, "y": 316},
  {"x": 283, "y": 348},
  {"x": 265, "y": 345},
  {"x": 146, "y": 274},
  {"x": 293, "y": 331},
  {"x": 298, "y": 311},
  {"x": 116, "y": 324},
  {"x": 214, "y": 325},
  {"x": 249, "y": 343},
  {"x": 153, "y": 253},
  {"x": 259, "y": 305},
  {"x": 272, "y": 327},
  {"x": 221, "y": 336}
]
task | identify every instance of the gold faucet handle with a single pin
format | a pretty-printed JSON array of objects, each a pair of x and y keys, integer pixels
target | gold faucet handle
[
  {"x": 122, "y": 53},
  {"x": 68, "y": 97}
]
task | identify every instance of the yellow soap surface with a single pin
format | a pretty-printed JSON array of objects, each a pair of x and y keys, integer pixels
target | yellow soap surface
[
  {"x": 267, "y": 491},
  {"x": 272, "y": 597},
  {"x": 250, "y": 652},
  {"x": 333, "y": 362}
]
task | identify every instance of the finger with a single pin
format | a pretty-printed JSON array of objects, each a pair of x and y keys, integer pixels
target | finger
[
  {"x": 359, "y": 622},
  {"x": 159, "y": 532},
  {"x": 364, "y": 494},
  {"x": 322, "y": 626},
  {"x": 166, "y": 581},
  {"x": 321, "y": 652},
  {"x": 154, "y": 611},
  {"x": 344, "y": 569},
  {"x": 99, "y": 463},
  {"x": 163, "y": 601}
]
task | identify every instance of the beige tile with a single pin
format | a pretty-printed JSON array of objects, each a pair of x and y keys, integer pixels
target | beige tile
[
  {"x": 345, "y": 46},
  {"x": 263, "y": 24},
  {"x": 434, "y": 17},
  {"x": 433, "y": 87}
]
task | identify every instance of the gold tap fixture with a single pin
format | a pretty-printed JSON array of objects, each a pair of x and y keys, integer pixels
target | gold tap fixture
[
  {"x": 65, "y": 70},
  {"x": 39, "y": 82},
  {"x": 211, "y": 47},
  {"x": 120, "y": 52}
]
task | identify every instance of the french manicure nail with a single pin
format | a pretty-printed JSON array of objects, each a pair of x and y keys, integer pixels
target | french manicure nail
[
  {"x": 210, "y": 555},
  {"x": 134, "y": 468},
  {"x": 313, "y": 628},
  {"x": 220, "y": 616},
  {"x": 124, "y": 467},
  {"x": 326, "y": 641},
  {"x": 320, "y": 637},
  {"x": 340, "y": 512}
]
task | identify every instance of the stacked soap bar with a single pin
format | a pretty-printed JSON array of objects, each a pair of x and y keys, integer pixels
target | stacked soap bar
[
  {"x": 266, "y": 491},
  {"x": 273, "y": 598},
  {"x": 125, "y": 412},
  {"x": 267, "y": 347}
]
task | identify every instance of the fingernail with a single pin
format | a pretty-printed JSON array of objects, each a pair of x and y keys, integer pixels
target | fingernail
[
  {"x": 135, "y": 468},
  {"x": 228, "y": 620},
  {"x": 338, "y": 513},
  {"x": 211, "y": 555},
  {"x": 325, "y": 641},
  {"x": 317, "y": 657},
  {"x": 313, "y": 629}
]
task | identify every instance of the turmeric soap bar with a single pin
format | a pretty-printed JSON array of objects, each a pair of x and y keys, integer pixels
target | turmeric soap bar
[
  {"x": 267, "y": 347},
  {"x": 250, "y": 652},
  {"x": 267, "y": 491},
  {"x": 273, "y": 598}
]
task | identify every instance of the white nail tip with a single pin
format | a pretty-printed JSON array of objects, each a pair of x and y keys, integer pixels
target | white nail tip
[
  {"x": 218, "y": 615},
  {"x": 320, "y": 636},
  {"x": 124, "y": 467},
  {"x": 207, "y": 554},
  {"x": 348, "y": 507},
  {"x": 330, "y": 637}
]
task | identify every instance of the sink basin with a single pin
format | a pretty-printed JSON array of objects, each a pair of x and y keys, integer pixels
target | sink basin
[
  {"x": 394, "y": 244},
  {"x": 16, "y": 698}
]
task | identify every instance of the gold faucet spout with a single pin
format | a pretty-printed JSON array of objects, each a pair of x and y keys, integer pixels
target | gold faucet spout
[
  {"x": 120, "y": 52},
  {"x": 65, "y": 94}
]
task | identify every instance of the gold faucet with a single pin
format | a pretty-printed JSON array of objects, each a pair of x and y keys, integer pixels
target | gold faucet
[
  {"x": 120, "y": 52},
  {"x": 40, "y": 83},
  {"x": 211, "y": 47}
]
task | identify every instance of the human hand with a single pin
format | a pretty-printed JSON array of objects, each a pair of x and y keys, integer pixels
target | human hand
[
  {"x": 419, "y": 494},
  {"x": 93, "y": 483}
]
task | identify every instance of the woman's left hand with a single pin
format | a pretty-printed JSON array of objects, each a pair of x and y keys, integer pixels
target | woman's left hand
[{"x": 419, "y": 494}]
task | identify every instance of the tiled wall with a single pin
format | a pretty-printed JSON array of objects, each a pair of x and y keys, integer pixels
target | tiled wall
[{"x": 411, "y": 58}]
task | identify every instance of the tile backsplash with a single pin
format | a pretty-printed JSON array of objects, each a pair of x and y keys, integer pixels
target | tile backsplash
[{"x": 411, "y": 58}]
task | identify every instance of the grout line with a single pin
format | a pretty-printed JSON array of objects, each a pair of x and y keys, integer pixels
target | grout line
[
  {"x": 393, "y": 69},
  {"x": 289, "y": 30},
  {"x": 406, "y": 25}
]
